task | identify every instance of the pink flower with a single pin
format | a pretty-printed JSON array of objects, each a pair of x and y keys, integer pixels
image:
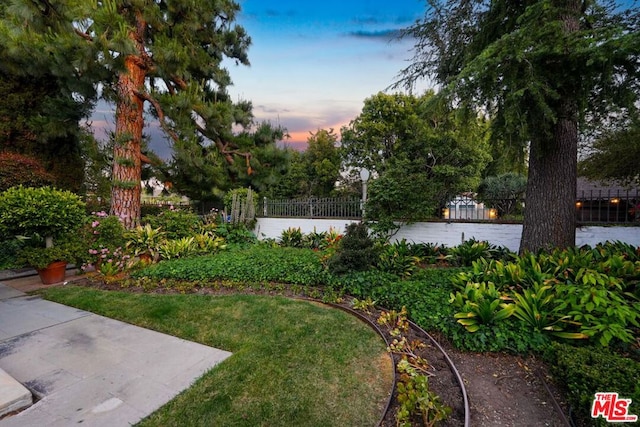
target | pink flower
[{"x": 94, "y": 224}]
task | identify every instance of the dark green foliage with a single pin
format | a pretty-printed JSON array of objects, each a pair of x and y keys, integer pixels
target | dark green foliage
[
  {"x": 430, "y": 253},
  {"x": 235, "y": 234},
  {"x": 504, "y": 193},
  {"x": 292, "y": 238},
  {"x": 465, "y": 254},
  {"x": 614, "y": 155},
  {"x": 355, "y": 252},
  {"x": 254, "y": 264},
  {"x": 398, "y": 258},
  {"x": 9, "y": 250},
  {"x": 590, "y": 290},
  {"x": 583, "y": 371},
  {"x": 176, "y": 223}
]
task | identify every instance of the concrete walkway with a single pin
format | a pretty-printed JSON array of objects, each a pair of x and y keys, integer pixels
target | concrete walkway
[{"x": 89, "y": 369}]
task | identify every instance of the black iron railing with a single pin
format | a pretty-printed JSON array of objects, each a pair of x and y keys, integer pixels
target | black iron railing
[
  {"x": 592, "y": 207},
  {"x": 328, "y": 207}
]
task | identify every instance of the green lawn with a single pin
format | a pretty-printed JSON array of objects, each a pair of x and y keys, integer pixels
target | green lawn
[{"x": 294, "y": 363}]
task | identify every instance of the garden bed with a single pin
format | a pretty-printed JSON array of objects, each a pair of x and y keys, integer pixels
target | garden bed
[{"x": 503, "y": 389}]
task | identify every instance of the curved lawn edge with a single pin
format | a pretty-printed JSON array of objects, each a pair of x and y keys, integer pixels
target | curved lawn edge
[{"x": 331, "y": 367}]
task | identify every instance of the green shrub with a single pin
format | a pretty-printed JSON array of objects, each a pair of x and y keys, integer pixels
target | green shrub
[
  {"x": 355, "y": 251},
  {"x": 397, "y": 258},
  {"x": 316, "y": 239},
  {"x": 238, "y": 235},
  {"x": 430, "y": 253},
  {"x": 588, "y": 292},
  {"x": 9, "y": 250},
  {"x": 291, "y": 238},
  {"x": 583, "y": 371},
  {"x": 44, "y": 211},
  {"x": 176, "y": 223}
]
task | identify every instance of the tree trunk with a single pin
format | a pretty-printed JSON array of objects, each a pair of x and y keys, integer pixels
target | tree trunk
[
  {"x": 549, "y": 215},
  {"x": 127, "y": 167}
]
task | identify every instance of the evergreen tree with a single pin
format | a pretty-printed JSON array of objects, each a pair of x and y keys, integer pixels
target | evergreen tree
[
  {"x": 543, "y": 70},
  {"x": 163, "y": 54}
]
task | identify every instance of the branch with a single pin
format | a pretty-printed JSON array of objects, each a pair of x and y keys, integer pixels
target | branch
[{"x": 163, "y": 122}]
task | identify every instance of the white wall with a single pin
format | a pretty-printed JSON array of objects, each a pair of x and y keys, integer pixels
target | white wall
[{"x": 450, "y": 234}]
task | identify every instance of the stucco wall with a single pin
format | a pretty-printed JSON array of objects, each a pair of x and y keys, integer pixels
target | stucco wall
[{"x": 450, "y": 234}]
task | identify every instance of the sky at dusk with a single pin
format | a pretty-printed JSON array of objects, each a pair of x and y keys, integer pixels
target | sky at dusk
[{"x": 312, "y": 63}]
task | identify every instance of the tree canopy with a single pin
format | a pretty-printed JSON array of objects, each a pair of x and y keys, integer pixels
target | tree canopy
[
  {"x": 544, "y": 71},
  {"x": 39, "y": 117},
  {"x": 165, "y": 55},
  {"x": 420, "y": 151},
  {"x": 614, "y": 155}
]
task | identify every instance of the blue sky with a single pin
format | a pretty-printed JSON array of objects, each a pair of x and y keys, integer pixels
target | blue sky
[{"x": 314, "y": 63}]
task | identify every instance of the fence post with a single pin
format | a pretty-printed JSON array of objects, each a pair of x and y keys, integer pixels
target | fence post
[{"x": 264, "y": 207}]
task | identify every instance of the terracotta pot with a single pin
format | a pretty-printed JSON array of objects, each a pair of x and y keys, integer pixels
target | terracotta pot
[{"x": 53, "y": 273}]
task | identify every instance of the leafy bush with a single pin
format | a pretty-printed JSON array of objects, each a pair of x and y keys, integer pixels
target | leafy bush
[
  {"x": 430, "y": 253},
  {"x": 144, "y": 241},
  {"x": 397, "y": 258},
  {"x": 583, "y": 295},
  {"x": 254, "y": 264},
  {"x": 236, "y": 234},
  {"x": 71, "y": 249},
  {"x": 316, "y": 239},
  {"x": 103, "y": 234},
  {"x": 585, "y": 371},
  {"x": 176, "y": 223},
  {"x": 480, "y": 304},
  {"x": 9, "y": 250},
  {"x": 42, "y": 211},
  {"x": 473, "y": 250},
  {"x": 355, "y": 251},
  {"x": 291, "y": 238}
]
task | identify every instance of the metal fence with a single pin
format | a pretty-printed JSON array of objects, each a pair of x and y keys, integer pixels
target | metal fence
[
  {"x": 608, "y": 206},
  {"x": 592, "y": 207},
  {"x": 329, "y": 207}
]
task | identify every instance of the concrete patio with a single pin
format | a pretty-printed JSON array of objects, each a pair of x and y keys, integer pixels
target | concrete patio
[{"x": 85, "y": 368}]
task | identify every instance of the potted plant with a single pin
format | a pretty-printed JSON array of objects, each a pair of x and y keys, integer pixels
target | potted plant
[
  {"x": 51, "y": 263},
  {"x": 43, "y": 213}
]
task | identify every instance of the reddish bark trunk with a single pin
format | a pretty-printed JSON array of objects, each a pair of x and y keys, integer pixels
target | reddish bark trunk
[{"x": 127, "y": 168}]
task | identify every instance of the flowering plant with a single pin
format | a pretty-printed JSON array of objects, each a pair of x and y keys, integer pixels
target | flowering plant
[
  {"x": 109, "y": 263},
  {"x": 104, "y": 237}
]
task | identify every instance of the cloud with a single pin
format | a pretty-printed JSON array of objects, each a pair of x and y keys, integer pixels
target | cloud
[{"x": 386, "y": 35}]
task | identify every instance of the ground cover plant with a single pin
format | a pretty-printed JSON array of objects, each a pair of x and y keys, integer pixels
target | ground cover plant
[
  {"x": 293, "y": 363},
  {"x": 478, "y": 297}
]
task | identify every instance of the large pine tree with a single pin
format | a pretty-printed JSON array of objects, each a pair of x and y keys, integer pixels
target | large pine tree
[
  {"x": 543, "y": 70},
  {"x": 166, "y": 55}
]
